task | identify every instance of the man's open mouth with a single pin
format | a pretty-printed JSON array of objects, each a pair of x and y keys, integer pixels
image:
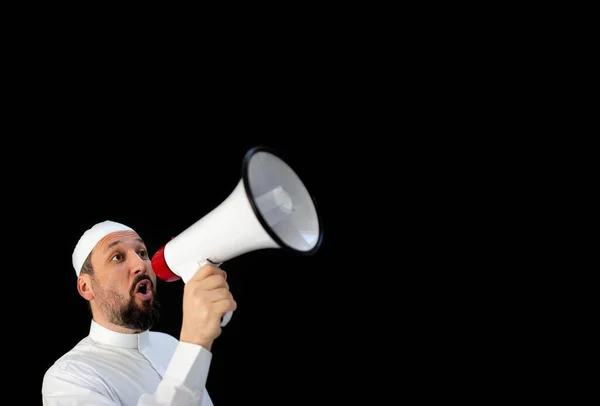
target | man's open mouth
[{"x": 143, "y": 289}]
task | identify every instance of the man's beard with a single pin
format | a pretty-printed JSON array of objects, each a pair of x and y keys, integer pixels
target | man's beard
[{"x": 125, "y": 311}]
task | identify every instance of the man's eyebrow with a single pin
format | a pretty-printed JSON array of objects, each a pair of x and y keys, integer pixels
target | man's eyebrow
[{"x": 117, "y": 242}]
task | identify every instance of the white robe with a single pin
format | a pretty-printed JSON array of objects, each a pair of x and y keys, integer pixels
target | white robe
[{"x": 146, "y": 369}]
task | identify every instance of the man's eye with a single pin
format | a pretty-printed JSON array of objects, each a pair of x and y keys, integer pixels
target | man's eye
[
  {"x": 143, "y": 254},
  {"x": 117, "y": 257}
]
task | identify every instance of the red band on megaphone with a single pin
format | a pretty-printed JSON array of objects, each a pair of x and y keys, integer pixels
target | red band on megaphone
[{"x": 161, "y": 269}]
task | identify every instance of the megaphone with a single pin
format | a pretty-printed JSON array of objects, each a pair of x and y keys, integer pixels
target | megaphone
[{"x": 269, "y": 208}]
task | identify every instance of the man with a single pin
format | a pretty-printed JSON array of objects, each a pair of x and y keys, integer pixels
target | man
[{"x": 122, "y": 362}]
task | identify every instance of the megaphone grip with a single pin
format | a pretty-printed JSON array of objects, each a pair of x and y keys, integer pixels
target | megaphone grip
[{"x": 226, "y": 318}]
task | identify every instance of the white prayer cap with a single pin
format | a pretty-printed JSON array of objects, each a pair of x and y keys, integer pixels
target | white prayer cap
[{"x": 90, "y": 238}]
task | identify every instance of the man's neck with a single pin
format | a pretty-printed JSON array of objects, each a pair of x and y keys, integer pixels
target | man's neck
[{"x": 113, "y": 327}]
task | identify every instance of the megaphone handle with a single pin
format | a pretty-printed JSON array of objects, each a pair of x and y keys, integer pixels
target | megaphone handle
[{"x": 227, "y": 316}]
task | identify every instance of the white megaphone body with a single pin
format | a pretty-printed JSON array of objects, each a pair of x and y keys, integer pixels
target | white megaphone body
[{"x": 269, "y": 208}]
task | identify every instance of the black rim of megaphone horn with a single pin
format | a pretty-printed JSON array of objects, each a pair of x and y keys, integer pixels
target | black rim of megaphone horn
[{"x": 246, "y": 162}]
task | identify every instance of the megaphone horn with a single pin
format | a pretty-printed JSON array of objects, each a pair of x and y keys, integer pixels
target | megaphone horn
[{"x": 269, "y": 208}]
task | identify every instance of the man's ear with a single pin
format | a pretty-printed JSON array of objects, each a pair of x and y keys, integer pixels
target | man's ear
[{"x": 84, "y": 287}]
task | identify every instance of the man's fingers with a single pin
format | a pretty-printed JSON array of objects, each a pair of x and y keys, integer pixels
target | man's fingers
[
  {"x": 207, "y": 270},
  {"x": 226, "y": 305},
  {"x": 216, "y": 300},
  {"x": 214, "y": 282},
  {"x": 217, "y": 295}
]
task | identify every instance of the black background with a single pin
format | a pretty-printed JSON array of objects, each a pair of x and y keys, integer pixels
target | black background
[
  {"x": 406, "y": 136},
  {"x": 380, "y": 295},
  {"x": 386, "y": 292},
  {"x": 391, "y": 288}
]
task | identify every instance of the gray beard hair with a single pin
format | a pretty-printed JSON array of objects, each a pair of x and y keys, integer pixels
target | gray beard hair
[{"x": 123, "y": 310}]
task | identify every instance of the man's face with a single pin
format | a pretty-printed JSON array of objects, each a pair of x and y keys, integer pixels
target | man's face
[{"x": 124, "y": 283}]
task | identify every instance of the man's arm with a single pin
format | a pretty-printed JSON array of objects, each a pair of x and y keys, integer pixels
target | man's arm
[{"x": 184, "y": 380}]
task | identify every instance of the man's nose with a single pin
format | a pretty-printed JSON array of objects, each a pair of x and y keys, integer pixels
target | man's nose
[{"x": 138, "y": 265}]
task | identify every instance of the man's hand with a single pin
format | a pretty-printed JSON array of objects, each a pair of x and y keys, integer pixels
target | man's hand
[{"x": 206, "y": 298}]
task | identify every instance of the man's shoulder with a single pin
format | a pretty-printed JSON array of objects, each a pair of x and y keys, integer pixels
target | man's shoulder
[
  {"x": 85, "y": 354},
  {"x": 162, "y": 339},
  {"x": 70, "y": 361},
  {"x": 160, "y": 335}
]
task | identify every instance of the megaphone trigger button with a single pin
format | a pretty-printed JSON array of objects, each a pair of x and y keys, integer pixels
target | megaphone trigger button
[{"x": 217, "y": 264}]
